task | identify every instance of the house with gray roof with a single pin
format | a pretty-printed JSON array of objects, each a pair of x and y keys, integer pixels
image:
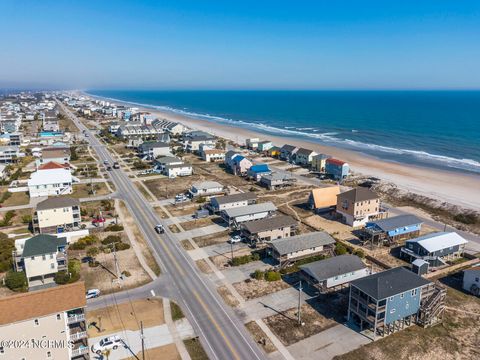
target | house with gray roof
[
  {"x": 268, "y": 229},
  {"x": 334, "y": 272},
  {"x": 291, "y": 249},
  {"x": 392, "y": 229},
  {"x": 238, "y": 215},
  {"x": 390, "y": 300},
  {"x": 40, "y": 257},
  {"x": 56, "y": 215},
  {"x": 220, "y": 203},
  {"x": 277, "y": 180}
]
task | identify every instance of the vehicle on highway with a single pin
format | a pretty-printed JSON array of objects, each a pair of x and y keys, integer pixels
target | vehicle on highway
[
  {"x": 116, "y": 165},
  {"x": 159, "y": 229},
  {"x": 108, "y": 343},
  {"x": 109, "y": 168},
  {"x": 86, "y": 135},
  {"x": 235, "y": 239},
  {"x": 105, "y": 162},
  {"x": 92, "y": 293}
]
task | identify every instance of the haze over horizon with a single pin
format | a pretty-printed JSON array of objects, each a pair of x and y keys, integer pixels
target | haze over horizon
[{"x": 248, "y": 45}]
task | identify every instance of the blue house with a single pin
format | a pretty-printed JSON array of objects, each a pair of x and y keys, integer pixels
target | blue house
[
  {"x": 390, "y": 300},
  {"x": 393, "y": 229},
  {"x": 256, "y": 171},
  {"x": 337, "y": 169}
]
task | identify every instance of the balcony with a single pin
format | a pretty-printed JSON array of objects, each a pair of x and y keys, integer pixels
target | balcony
[
  {"x": 75, "y": 318},
  {"x": 75, "y": 336},
  {"x": 82, "y": 350}
]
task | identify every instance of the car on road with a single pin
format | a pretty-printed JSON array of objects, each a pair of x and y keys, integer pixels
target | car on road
[
  {"x": 109, "y": 168},
  {"x": 92, "y": 293},
  {"x": 116, "y": 165},
  {"x": 181, "y": 198},
  {"x": 105, "y": 162},
  {"x": 108, "y": 343},
  {"x": 235, "y": 239},
  {"x": 159, "y": 229}
]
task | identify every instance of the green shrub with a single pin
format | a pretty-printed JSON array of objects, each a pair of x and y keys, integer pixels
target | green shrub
[
  {"x": 122, "y": 246},
  {"x": 5, "y": 196},
  {"x": 272, "y": 276},
  {"x": 359, "y": 253},
  {"x": 62, "y": 277},
  {"x": 26, "y": 219},
  {"x": 7, "y": 245},
  {"x": 177, "y": 312},
  {"x": 110, "y": 239},
  {"x": 468, "y": 219},
  {"x": 258, "y": 274},
  {"x": 340, "y": 249},
  {"x": 201, "y": 200},
  {"x": 79, "y": 245},
  {"x": 16, "y": 280},
  {"x": 93, "y": 251},
  {"x": 94, "y": 264},
  {"x": 114, "y": 227},
  {"x": 245, "y": 259},
  {"x": 7, "y": 218},
  {"x": 126, "y": 273}
]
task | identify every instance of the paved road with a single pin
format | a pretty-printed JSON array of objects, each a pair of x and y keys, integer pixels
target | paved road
[{"x": 221, "y": 332}]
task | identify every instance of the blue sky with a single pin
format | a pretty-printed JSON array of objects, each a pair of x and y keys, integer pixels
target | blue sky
[{"x": 429, "y": 44}]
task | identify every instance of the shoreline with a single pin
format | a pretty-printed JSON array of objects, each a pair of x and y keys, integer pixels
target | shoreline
[{"x": 443, "y": 185}]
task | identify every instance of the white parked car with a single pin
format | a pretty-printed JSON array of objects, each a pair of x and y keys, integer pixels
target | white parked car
[
  {"x": 108, "y": 343},
  {"x": 235, "y": 239},
  {"x": 159, "y": 229},
  {"x": 92, "y": 293}
]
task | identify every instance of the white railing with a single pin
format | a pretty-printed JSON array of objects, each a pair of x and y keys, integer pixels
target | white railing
[
  {"x": 83, "y": 350},
  {"x": 78, "y": 335},
  {"x": 76, "y": 318}
]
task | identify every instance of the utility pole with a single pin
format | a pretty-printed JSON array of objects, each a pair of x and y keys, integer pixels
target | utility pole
[
  {"x": 231, "y": 249},
  {"x": 299, "y": 303},
  {"x": 117, "y": 268},
  {"x": 143, "y": 340}
]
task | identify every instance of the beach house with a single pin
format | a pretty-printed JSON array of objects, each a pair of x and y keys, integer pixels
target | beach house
[
  {"x": 60, "y": 155},
  {"x": 319, "y": 162},
  {"x": 267, "y": 229},
  {"x": 255, "y": 172},
  {"x": 291, "y": 249},
  {"x": 240, "y": 165},
  {"x": 235, "y": 216},
  {"x": 264, "y": 146},
  {"x": 40, "y": 257},
  {"x": 252, "y": 143},
  {"x": 56, "y": 215},
  {"x": 287, "y": 151},
  {"x": 152, "y": 149},
  {"x": 303, "y": 157},
  {"x": 176, "y": 170},
  {"x": 435, "y": 248},
  {"x": 212, "y": 155},
  {"x": 172, "y": 127},
  {"x": 359, "y": 206},
  {"x": 274, "y": 152},
  {"x": 336, "y": 169},
  {"x": 193, "y": 139},
  {"x": 9, "y": 154},
  {"x": 323, "y": 199},
  {"x": 51, "y": 181},
  {"x": 54, "y": 317},
  {"x": 220, "y": 203},
  {"x": 390, "y": 300},
  {"x": 392, "y": 229},
  {"x": 335, "y": 272},
  {"x": 275, "y": 180},
  {"x": 206, "y": 188}
]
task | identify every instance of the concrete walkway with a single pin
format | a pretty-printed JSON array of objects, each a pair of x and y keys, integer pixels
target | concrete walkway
[{"x": 176, "y": 336}]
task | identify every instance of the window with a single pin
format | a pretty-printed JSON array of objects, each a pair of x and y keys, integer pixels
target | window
[
  {"x": 52, "y": 266},
  {"x": 414, "y": 292},
  {"x": 402, "y": 295},
  {"x": 59, "y": 316},
  {"x": 2, "y": 350},
  {"x": 36, "y": 322},
  {"x": 392, "y": 311},
  {"x": 476, "y": 279},
  {"x": 391, "y": 298},
  {"x": 32, "y": 258},
  {"x": 44, "y": 257},
  {"x": 49, "y": 354},
  {"x": 51, "y": 256}
]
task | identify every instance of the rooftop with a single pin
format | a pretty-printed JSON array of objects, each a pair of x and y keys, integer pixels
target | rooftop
[
  {"x": 207, "y": 185},
  {"x": 302, "y": 242},
  {"x": 336, "y": 161},
  {"x": 389, "y": 283},
  {"x": 396, "y": 222},
  {"x": 439, "y": 240},
  {"x": 276, "y": 222},
  {"x": 250, "y": 209},
  {"x": 358, "y": 194},
  {"x": 52, "y": 165},
  {"x": 42, "y": 244},
  {"x": 334, "y": 266},
  {"x": 233, "y": 198},
  {"x": 325, "y": 196},
  {"x": 40, "y": 303},
  {"x": 57, "y": 202}
]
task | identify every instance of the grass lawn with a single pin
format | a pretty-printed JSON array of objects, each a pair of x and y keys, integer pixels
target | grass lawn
[
  {"x": 195, "y": 349},
  {"x": 83, "y": 190},
  {"x": 18, "y": 198},
  {"x": 177, "y": 312}
]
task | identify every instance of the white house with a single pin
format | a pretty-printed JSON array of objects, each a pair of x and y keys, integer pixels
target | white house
[
  {"x": 175, "y": 170},
  {"x": 252, "y": 143},
  {"x": 335, "y": 271},
  {"x": 211, "y": 155},
  {"x": 50, "y": 182},
  {"x": 238, "y": 215},
  {"x": 206, "y": 188},
  {"x": 471, "y": 280}
]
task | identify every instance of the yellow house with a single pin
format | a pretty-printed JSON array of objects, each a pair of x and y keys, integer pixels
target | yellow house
[{"x": 274, "y": 151}]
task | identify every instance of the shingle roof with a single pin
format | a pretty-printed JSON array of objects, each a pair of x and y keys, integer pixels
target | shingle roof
[
  {"x": 42, "y": 244},
  {"x": 168, "y": 159},
  {"x": 303, "y": 151},
  {"x": 52, "y": 165},
  {"x": 57, "y": 202},
  {"x": 276, "y": 222},
  {"x": 220, "y": 200},
  {"x": 288, "y": 148},
  {"x": 259, "y": 168},
  {"x": 40, "y": 303},
  {"x": 334, "y": 266},
  {"x": 439, "y": 240},
  {"x": 335, "y": 161},
  {"x": 250, "y": 209},
  {"x": 389, "y": 283},
  {"x": 358, "y": 194},
  {"x": 302, "y": 242},
  {"x": 396, "y": 222}
]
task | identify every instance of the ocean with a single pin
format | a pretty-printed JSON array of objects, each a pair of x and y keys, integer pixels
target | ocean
[{"x": 439, "y": 129}]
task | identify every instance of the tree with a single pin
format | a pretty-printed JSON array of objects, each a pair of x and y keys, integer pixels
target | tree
[
  {"x": 340, "y": 249},
  {"x": 16, "y": 280}
]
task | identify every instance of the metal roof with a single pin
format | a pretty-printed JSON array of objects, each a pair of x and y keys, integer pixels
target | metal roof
[
  {"x": 207, "y": 185},
  {"x": 389, "y": 283},
  {"x": 250, "y": 209},
  {"x": 302, "y": 242},
  {"x": 334, "y": 266},
  {"x": 220, "y": 200},
  {"x": 276, "y": 222},
  {"x": 42, "y": 244},
  {"x": 358, "y": 194},
  {"x": 439, "y": 240},
  {"x": 396, "y": 222}
]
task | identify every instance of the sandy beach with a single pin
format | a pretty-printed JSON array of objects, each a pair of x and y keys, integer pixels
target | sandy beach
[{"x": 446, "y": 186}]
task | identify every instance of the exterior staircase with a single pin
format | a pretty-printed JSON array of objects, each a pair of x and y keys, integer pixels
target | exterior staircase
[{"x": 432, "y": 309}]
